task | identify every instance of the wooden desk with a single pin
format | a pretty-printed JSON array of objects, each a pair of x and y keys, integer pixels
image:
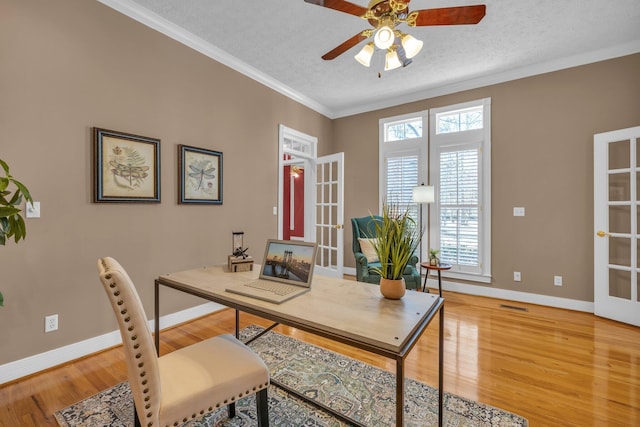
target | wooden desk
[{"x": 349, "y": 312}]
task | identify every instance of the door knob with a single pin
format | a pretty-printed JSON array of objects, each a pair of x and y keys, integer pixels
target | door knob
[
  {"x": 602, "y": 233},
  {"x": 338, "y": 226}
]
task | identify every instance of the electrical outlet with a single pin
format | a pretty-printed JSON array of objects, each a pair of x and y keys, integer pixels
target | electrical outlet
[
  {"x": 557, "y": 280},
  {"x": 517, "y": 276},
  {"x": 51, "y": 323}
]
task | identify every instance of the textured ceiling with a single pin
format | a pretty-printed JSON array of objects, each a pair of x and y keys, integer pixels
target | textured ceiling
[{"x": 280, "y": 42}]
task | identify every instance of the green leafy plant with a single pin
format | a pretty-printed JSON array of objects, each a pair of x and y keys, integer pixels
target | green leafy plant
[
  {"x": 433, "y": 256},
  {"x": 11, "y": 222},
  {"x": 397, "y": 237}
]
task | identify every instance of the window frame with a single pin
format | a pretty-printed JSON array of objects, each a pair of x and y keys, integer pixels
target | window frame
[
  {"x": 401, "y": 148},
  {"x": 456, "y": 141}
]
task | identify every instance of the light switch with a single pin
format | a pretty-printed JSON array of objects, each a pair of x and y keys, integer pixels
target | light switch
[
  {"x": 33, "y": 210},
  {"x": 275, "y": 210},
  {"x": 518, "y": 211}
]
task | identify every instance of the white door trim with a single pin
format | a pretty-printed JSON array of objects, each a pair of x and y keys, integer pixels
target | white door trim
[{"x": 607, "y": 305}]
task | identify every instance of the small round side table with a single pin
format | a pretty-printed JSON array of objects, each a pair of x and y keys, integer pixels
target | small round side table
[{"x": 440, "y": 267}]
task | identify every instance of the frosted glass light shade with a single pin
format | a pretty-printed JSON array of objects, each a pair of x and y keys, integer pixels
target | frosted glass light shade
[
  {"x": 384, "y": 37},
  {"x": 392, "y": 61},
  {"x": 411, "y": 45},
  {"x": 365, "y": 55},
  {"x": 424, "y": 194}
]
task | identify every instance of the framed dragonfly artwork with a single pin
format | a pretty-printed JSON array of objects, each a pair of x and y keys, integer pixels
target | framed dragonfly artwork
[
  {"x": 199, "y": 175},
  {"x": 126, "y": 167}
]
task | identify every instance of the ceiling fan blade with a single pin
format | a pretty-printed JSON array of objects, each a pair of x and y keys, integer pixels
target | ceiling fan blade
[
  {"x": 340, "y": 5},
  {"x": 339, "y": 50},
  {"x": 460, "y": 15}
]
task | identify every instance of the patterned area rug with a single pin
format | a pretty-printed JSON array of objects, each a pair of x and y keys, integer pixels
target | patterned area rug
[{"x": 359, "y": 391}]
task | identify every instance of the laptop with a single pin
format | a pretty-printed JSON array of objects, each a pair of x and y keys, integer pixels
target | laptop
[{"x": 285, "y": 273}]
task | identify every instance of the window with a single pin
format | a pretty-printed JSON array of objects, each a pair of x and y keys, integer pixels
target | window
[
  {"x": 460, "y": 120},
  {"x": 402, "y": 153},
  {"x": 460, "y": 162}
]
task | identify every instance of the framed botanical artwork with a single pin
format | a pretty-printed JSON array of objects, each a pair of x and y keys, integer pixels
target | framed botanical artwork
[
  {"x": 126, "y": 167},
  {"x": 199, "y": 175}
]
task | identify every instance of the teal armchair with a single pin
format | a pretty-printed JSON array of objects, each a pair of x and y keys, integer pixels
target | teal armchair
[{"x": 365, "y": 228}]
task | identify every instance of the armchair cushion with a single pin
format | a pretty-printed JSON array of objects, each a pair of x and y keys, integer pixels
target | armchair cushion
[{"x": 368, "y": 249}]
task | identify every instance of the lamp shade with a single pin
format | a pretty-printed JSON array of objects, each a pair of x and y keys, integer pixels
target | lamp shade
[
  {"x": 423, "y": 194},
  {"x": 384, "y": 37},
  {"x": 392, "y": 61},
  {"x": 411, "y": 45},
  {"x": 365, "y": 55}
]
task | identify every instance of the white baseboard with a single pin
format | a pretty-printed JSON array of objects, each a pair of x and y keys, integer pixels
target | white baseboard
[
  {"x": 487, "y": 291},
  {"x": 505, "y": 294},
  {"x": 39, "y": 362},
  {"x": 30, "y": 365}
]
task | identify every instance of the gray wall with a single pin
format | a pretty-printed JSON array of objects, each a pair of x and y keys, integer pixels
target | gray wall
[
  {"x": 542, "y": 159},
  {"x": 70, "y": 65}
]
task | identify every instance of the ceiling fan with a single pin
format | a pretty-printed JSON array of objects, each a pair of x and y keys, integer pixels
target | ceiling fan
[{"x": 384, "y": 16}]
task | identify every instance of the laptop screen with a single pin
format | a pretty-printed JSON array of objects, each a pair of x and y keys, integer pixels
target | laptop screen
[{"x": 289, "y": 261}]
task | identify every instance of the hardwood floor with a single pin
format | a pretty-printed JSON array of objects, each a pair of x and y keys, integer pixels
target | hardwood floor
[{"x": 554, "y": 367}]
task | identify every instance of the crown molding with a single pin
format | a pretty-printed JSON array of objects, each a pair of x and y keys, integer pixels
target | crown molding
[
  {"x": 496, "y": 78},
  {"x": 179, "y": 34},
  {"x": 158, "y": 23}
]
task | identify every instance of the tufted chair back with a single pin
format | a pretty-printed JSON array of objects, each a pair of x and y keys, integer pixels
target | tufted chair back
[{"x": 141, "y": 357}]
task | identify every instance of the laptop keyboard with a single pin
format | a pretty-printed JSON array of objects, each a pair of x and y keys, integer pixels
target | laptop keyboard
[{"x": 275, "y": 287}]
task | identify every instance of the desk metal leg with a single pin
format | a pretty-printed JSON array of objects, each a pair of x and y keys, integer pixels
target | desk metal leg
[
  {"x": 399, "y": 392},
  {"x": 156, "y": 321},
  {"x": 237, "y": 324},
  {"x": 440, "y": 368}
]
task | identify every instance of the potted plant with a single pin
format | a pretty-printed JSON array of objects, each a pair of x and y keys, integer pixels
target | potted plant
[
  {"x": 11, "y": 222},
  {"x": 397, "y": 237},
  {"x": 433, "y": 256}
]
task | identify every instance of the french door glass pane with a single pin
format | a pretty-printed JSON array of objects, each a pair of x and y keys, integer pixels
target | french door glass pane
[
  {"x": 620, "y": 284},
  {"x": 619, "y": 187},
  {"x": 619, "y": 155},
  {"x": 620, "y": 251},
  {"x": 620, "y": 219}
]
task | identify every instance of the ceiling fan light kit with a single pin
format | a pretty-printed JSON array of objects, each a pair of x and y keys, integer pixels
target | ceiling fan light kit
[
  {"x": 391, "y": 60},
  {"x": 384, "y": 37},
  {"x": 384, "y": 16},
  {"x": 365, "y": 55},
  {"x": 411, "y": 45}
]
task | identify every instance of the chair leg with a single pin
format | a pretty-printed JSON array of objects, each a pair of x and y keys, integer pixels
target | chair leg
[
  {"x": 136, "y": 419},
  {"x": 232, "y": 409},
  {"x": 262, "y": 408}
]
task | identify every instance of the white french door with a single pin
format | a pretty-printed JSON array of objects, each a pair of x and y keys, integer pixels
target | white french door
[
  {"x": 616, "y": 223},
  {"x": 330, "y": 215}
]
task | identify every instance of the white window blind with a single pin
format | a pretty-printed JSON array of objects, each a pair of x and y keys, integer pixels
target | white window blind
[
  {"x": 401, "y": 177},
  {"x": 459, "y": 207}
]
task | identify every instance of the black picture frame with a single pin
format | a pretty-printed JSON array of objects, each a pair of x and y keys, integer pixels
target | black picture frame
[
  {"x": 199, "y": 176},
  {"x": 126, "y": 167}
]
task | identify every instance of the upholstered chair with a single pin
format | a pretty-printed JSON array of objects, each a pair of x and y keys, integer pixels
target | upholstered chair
[
  {"x": 189, "y": 382},
  {"x": 364, "y": 230}
]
